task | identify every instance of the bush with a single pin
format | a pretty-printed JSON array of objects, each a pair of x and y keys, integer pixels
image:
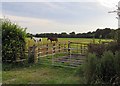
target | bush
[
  {"x": 117, "y": 36},
  {"x": 104, "y": 70},
  {"x": 116, "y": 78},
  {"x": 13, "y": 41},
  {"x": 107, "y": 68},
  {"x": 117, "y": 62},
  {"x": 90, "y": 68},
  {"x": 113, "y": 46},
  {"x": 98, "y": 49}
]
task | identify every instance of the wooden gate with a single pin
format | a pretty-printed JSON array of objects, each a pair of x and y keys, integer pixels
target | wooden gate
[
  {"x": 77, "y": 48},
  {"x": 70, "y": 55},
  {"x": 75, "y": 56}
]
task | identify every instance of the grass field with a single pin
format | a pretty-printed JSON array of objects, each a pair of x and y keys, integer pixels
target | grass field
[
  {"x": 30, "y": 42},
  {"x": 40, "y": 74}
]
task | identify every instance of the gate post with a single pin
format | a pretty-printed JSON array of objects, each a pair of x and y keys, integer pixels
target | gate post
[
  {"x": 64, "y": 47},
  {"x": 33, "y": 54},
  {"x": 30, "y": 55}
]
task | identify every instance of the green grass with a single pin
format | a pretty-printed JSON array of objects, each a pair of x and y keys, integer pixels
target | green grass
[
  {"x": 30, "y": 42},
  {"x": 40, "y": 74}
]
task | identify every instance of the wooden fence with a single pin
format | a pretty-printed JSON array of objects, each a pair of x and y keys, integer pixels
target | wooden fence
[{"x": 69, "y": 48}]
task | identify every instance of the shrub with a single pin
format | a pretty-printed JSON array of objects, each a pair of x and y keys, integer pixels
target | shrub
[
  {"x": 117, "y": 36},
  {"x": 98, "y": 49},
  {"x": 118, "y": 40},
  {"x": 113, "y": 46},
  {"x": 104, "y": 70},
  {"x": 90, "y": 68},
  {"x": 117, "y": 62},
  {"x": 31, "y": 58},
  {"x": 116, "y": 79},
  {"x": 107, "y": 68},
  {"x": 13, "y": 41}
]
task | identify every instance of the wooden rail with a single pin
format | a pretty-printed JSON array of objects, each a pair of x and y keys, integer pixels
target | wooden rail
[{"x": 50, "y": 49}]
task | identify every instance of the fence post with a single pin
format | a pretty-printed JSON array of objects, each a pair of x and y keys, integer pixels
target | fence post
[
  {"x": 53, "y": 48},
  {"x": 81, "y": 49},
  {"x": 46, "y": 49},
  {"x": 68, "y": 47},
  {"x": 84, "y": 49},
  {"x": 77, "y": 48},
  {"x": 65, "y": 47},
  {"x": 59, "y": 47},
  {"x": 38, "y": 51},
  {"x": 33, "y": 54},
  {"x": 29, "y": 55},
  {"x": 53, "y": 51}
]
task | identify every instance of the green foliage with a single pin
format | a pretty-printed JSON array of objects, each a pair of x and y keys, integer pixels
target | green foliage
[
  {"x": 116, "y": 78},
  {"x": 99, "y": 33},
  {"x": 98, "y": 49},
  {"x": 118, "y": 36},
  {"x": 29, "y": 35},
  {"x": 104, "y": 70},
  {"x": 113, "y": 46},
  {"x": 13, "y": 41},
  {"x": 107, "y": 66},
  {"x": 117, "y": 62},
  {"x": 90, "y": 68},
  {"x": 31, "y": 58}
]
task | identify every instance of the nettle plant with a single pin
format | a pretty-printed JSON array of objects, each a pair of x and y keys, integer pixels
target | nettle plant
[{"x": 13, "y": 41}]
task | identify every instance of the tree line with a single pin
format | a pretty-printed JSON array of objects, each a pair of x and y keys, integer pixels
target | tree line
[{"x": 99, "y": 33}]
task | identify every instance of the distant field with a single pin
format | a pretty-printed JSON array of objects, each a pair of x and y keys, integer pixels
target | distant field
[{"x": 30, "y": 42}]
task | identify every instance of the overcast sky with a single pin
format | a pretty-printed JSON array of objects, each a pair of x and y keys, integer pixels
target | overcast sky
[{"x": 57, "y": 17}]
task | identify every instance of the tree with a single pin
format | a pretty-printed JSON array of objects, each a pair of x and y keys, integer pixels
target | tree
[
  {"x": 64, "y": 34},
  {"x": 118, "y": 36},
  {"x": 72, "y": 34}
]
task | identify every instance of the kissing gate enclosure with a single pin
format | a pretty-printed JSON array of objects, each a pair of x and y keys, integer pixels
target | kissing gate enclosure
[{"x": 69, "y": 54}]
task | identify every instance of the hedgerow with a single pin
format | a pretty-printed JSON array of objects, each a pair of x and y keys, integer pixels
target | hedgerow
[{"x": 13, "y": 41}]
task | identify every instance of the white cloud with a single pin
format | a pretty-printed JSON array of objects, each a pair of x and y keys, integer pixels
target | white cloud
[
  {"x": 109, "y": 3},
  {"x": 39, "y": 25},
  {"x": 35, "y": 25},
  {"x": 31, "y": 22},
  {"x": 48, "y": 0}
]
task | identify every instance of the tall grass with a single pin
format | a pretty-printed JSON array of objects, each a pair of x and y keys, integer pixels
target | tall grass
[{"x": 104, "y": 70}]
